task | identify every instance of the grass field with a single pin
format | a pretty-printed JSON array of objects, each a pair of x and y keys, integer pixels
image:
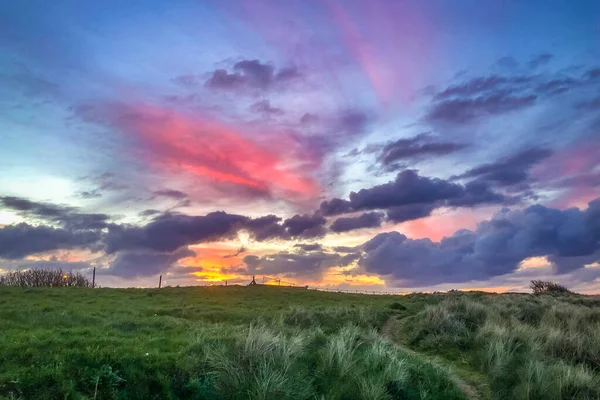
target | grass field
[{"x": 289, "y": 343}]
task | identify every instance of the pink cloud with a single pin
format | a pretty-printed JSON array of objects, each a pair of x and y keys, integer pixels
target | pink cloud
[{"x": 217, "y": 153}]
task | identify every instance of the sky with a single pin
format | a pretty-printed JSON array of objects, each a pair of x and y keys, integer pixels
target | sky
[{"x": 370, "y": 145}]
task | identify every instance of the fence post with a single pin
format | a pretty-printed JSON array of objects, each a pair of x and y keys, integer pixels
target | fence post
[
  {"x": 278, "y": 282},
  {"x": 225, "y": 283},
  {"x": 94, "y": 278},
  {"x": 159, "y": 281}
]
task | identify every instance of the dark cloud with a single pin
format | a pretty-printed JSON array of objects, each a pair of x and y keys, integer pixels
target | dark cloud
[
  {"x": 335, "y": 206},
  {"x": 78, "y": 221},
  {"x": 310, "y": 264},
  {"x": 169, "y": 232},
  {"x": 366, "y": 220},
  {"x": 498, "y": 94},
  {"x": 305, "y": 226},
  {"x": 265, "y": 108},
  {"x": 558, "y": 86},
  {"x": 21, "y": 240},
  {"x": 410, "y": 212},
  {"x": 132, "y": 264},
  {"x": 309, "y": 246},
  {"x": 106, "y": 182},
  {"x": 407, "y": 188},
  {"x": 571, "y": 238},
  {"x": 346, "y": 249},
  {"x": 171, "y": 193},
  {"x": 65, "y": 216},
  {"x": 237, "y": 253},
  {"x": 414, "y": 149},
  {"x": 592, "y": 105},
  {"x": 509, "y": 170},
  {"x": 28, "y": 207},
  {"x": 482, "y": 86},
  {"x": 411, "y": 196},
  {"x": 507, "y": 62},
  {"x": 251, "y": 74},
  {"x": 540, "y": 60},
  {"x": 149, "y": 212},
  {"x": 308, "y": 119},
  {"x": 465, "y": 110},
  {"x": 186, "y": 80},
  {"x": 593, "y": 74},
  {"x": 92, "y": 194},
  {"x": 478, "y": 192},
  {"x": 353, "y": 122},
  {"x": 267, "y": 227}
]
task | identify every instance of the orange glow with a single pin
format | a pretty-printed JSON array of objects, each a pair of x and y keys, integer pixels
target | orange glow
[
  {"x": 334, "y": 277},
  {"x": 214, "y": 150}
]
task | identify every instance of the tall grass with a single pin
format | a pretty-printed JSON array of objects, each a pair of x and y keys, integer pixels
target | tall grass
[
  {"x": 540, "y": 347},
  {"x": 353, "y": 363}
]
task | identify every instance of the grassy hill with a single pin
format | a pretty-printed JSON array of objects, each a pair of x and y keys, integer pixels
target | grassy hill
[{"x": 288, "y": 343}]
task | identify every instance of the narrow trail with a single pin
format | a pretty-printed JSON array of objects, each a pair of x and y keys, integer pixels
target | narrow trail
[{"x": 472, "y": 390}]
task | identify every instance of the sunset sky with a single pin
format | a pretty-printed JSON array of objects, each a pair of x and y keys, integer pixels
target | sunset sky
[{"x": 381, "y": 145}]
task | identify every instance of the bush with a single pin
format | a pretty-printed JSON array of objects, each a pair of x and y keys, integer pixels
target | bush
[
  {"x": 44, "y": 278},
  {"x": 543, "y": 287}
]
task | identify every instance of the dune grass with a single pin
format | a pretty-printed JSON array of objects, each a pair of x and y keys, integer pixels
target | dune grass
[
  {"x": 206, "y": 343},
  {"x": 530, "y": 347},
  {"x": 289, "y": 343}
]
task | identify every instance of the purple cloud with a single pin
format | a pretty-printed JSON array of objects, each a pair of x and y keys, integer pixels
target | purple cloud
[{"x": 252, "y": 74}]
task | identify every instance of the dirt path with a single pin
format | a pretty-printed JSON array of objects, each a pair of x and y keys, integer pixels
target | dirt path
[{"x": 472, "y": 390}]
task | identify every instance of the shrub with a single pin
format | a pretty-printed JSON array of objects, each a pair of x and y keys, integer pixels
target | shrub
[
  {"x": 44, "y": 278},
  {"x": 543, "y": 287}
]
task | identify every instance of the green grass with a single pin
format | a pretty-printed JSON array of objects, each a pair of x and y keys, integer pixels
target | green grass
[
  {"x": 207, "y": 343},
  {"x": 528, "y": 347},
  {"x": 289, "y": 343}
]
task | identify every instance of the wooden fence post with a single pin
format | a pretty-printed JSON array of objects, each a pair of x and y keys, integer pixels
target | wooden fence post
[
  {"x": 94, "y": 278},
  {"x": 159, "y": 281}
]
